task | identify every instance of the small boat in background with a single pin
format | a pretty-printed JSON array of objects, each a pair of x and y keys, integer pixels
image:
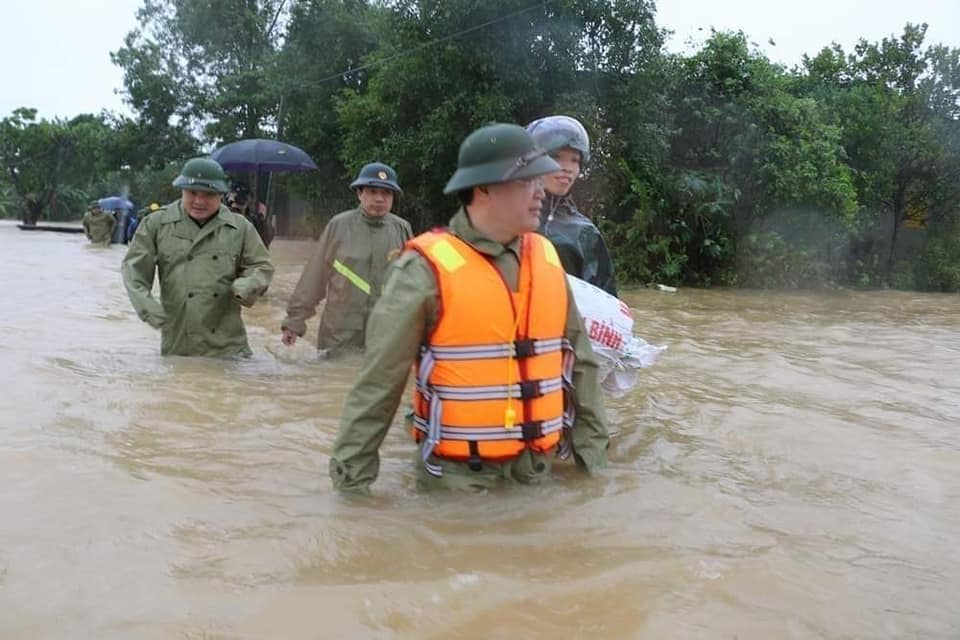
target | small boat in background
[{"x": 62, "y": 228}]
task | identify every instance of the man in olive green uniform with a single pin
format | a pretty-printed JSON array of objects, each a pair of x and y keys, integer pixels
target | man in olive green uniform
[
  {"x": 210, "y": 262},
  {"x": 349, "y": 265},
  {"x": 502, "y": 194},
  {"x": 98, "y": 225}
]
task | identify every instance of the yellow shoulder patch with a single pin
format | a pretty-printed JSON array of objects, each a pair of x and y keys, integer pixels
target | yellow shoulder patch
[
  {"x": 550, "y": 252},
  {"x": 447, "y": 256}
]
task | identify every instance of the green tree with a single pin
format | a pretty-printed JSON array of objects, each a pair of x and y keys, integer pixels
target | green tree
[
  {"x": 715, "y": 167},
  {"x": 141, "y": 143},
  {"x": 449, "y": 67},
  {"x": 326, "y": 44},
  {"x": 897, "y": 105},
  {"x": 6, "y": 199},
  {"x": 49, "y": 163},
  {"x": 734, "y": 162},
  {"x": 209, "y": 65}
]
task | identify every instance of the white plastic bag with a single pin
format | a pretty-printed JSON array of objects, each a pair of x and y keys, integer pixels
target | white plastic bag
[{"x": 609, "y": 323}]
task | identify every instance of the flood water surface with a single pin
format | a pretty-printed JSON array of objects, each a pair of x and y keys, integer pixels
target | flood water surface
[{"x": 790, "y": 468}]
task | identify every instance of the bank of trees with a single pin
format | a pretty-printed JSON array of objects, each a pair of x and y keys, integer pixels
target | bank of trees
[
  {"x": 719, "y": 167},
  {"x": 53, "y": 168}
]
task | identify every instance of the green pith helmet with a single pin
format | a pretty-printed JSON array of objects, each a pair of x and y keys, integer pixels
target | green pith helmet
[
  {"x": 202, "y": 174},
  {"x": 498, "y": 153},
  {"x": 94, "y": 205},
  {"x": 556, "y": 132},
  {"x": 377, "y": 174}
]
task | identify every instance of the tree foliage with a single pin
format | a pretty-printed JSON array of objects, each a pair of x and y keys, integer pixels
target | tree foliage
[
  {"x": 717, "y": 167},
  {"x": 47, "y": 164},
  {"x": 211, "y": 65}
]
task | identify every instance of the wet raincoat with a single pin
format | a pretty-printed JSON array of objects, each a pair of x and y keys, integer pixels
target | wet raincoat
[
  {"x": 579, "y": 244},
  {"x": 348, "y": 269},
  {"x": 206, "y": 273}
]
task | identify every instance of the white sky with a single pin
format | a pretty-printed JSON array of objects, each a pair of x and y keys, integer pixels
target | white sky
[
  {"x": 56, "y": 53},
  {"x": 806, "y": 26}
]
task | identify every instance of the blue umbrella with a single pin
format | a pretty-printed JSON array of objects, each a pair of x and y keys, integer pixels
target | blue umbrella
[
  {"x": 257, "y": 154},
  {"x": 114, "y": 202}
]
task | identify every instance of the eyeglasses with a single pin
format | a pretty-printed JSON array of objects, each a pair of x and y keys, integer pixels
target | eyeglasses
[{"x": 529, "y": 184}]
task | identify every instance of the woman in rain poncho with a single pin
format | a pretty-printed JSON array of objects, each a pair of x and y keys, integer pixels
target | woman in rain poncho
[{"x": 582, "y": 249}]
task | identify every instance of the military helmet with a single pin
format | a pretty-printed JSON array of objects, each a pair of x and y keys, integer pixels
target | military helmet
[
  {"x": 498, "y": 153},
  {"x": 94, "y": 204},
  {"x": 202, "y": 174},
  {"x": 556, "y": 132},
  {"x": 377, "y": 174}
]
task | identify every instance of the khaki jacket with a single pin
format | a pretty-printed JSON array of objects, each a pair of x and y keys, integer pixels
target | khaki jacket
[{"x": 347, "y": 269}]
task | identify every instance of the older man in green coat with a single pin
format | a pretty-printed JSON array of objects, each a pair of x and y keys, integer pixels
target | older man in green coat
[{"x": 210, "y": 262}]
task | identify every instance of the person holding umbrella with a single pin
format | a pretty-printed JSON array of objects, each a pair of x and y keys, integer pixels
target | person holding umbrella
[
  {"x": 210, "y": 262},
  {"x": 259, "y": 156},
  {"x": 238, "y": 202},
  {"x": 349, "y": 266}
]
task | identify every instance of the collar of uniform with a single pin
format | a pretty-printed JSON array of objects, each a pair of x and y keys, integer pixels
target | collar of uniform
[
  {"x": 177, "y": 213},
  {"x": 373, "y": 221},
  {"x": 170, "y": 213},
  {"x": 462, "y": 228}
]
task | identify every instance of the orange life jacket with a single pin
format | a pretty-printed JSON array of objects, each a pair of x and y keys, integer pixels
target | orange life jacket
[{"x": 492, "y": 379}]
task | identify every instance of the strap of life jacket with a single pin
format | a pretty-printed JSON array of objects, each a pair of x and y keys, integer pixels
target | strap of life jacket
[{"x": 434, "y": 431}]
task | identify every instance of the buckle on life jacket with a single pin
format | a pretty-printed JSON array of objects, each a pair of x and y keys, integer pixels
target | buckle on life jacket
[
  {"x": 532, "y": 431},
  {"x": 524, "y": 348},
  {"x": 530, "y": 389}
]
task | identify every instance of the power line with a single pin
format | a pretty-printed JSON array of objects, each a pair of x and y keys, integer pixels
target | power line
[{"x": 428, "y": 44}]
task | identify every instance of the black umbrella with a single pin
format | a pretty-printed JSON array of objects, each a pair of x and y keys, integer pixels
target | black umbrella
[{"x": 257, "y": 154}]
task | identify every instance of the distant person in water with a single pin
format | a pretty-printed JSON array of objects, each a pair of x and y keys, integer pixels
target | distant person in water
[{"x": 98, "y": 225}]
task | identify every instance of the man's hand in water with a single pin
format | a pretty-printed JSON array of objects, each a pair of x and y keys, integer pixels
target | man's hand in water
[{"x": 289, "y": 338}]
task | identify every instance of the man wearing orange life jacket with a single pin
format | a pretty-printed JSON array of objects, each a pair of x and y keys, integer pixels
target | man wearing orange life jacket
[{"x": 506, "y": 378}]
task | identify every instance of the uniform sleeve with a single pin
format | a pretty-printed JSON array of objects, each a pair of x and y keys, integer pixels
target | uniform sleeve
[
  {"x": 597, "y": 264},
  {"x": 311, "y": 289},
  {"x": 86, "y": 225},
  {"x": 396, "y": 328},
  {"x": 255, "y": 269},
  {"x": 590, "y": 432},
  {"x": 138, "y": 269}
]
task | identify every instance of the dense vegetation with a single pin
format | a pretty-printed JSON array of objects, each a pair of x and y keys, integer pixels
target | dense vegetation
[{"x": 719, "y": 167}]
